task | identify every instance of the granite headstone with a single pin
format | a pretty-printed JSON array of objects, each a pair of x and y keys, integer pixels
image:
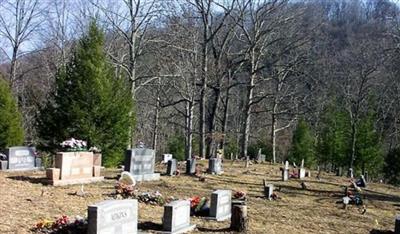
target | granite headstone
[
  {"x": 113, "y": 216},
  {"x": 140, "y": 162},
  {"x": 220, "y": 205},
  {"x": 176, "y": 217}
]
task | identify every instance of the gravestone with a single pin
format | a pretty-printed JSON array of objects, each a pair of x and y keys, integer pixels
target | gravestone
[
  {"x": 215, "y": 166},
  {"x": 285, "y": 172},
  {"x": 258, "y": 157},
  {"x": 302, "y": 173},
  {"x": 113, "y": 216},
  {"x": 176, "y": 217},
  {"x": 171, "y": 167},
  {"x": 339, "y": 171},
  {"x": 191, "y": 166},
  {"x": 140, "y": 163},
  {"x": 268, "y": 190},
  {"x": 166, "y": 158},
  {"x": 262, "y": 157},
  {"x": 74, "y": 168},
  {"x": 350, "y": 173},
  {"x": 397, "y": 225},
  {"x": 285, "y": 175},
  {"x": 21, "y": 158},
  {"x": 220, "y": 205}
]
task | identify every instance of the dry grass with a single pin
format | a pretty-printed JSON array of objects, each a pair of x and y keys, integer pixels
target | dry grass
[{"x": 24, "y": 200}]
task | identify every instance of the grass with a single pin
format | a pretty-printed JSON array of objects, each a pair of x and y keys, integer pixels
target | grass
[{"x": 25, "y": 200}]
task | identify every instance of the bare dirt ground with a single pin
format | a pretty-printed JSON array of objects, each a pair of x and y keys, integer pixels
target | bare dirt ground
[{"x": 24, "y": 200}]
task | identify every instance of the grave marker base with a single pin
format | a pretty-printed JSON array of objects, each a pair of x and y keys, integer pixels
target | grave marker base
[
  {"x": 75, "y": 181},
  {"x": 20, "y": 169},
  {"x": 222, "y": 218},
  {"x": 147, "y": 177}
]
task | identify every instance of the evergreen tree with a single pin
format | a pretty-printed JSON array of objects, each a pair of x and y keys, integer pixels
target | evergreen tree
[
  {"x": 369, "y": 153},
  {"x": 303, "y": 145},
  {"x": 176, "y": 146},
  {"x": 11, "y": 131},
  {"x": 88, "y": 102},
  {"x": 334, "y": 137}
]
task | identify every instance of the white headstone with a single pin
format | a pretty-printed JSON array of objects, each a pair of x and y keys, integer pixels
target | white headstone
[
  {"x": 176, "y": 217},
  {"x": 113, "y": 216},
  {"x": 220, "y": 206}
]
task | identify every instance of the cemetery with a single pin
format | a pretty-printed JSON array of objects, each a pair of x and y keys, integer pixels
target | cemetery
[
  {"x": 28, "y": 199},
  {"x": 199, "y": 116}
]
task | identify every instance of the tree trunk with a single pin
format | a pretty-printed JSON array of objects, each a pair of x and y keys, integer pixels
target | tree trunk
[
  {"x": 132, "y": 65},
  {"x": 239, "y": 220},
  {"x": 247, "y": 109},
  {"x": 189, "y": 130},
  {"x": 225, "y": 117},
  {"x": 202, "y": 110},
  {"x": 353, "y": 144},
  {"x": 13, "y": 72},
  {"x": 211, "y": 146},
  {"x": 156, "y": 118},
  {"x": 273, "y": 135}
]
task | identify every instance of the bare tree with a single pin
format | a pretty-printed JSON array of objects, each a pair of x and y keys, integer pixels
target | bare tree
[
  {"x": 18, "y": 21},
  {"x": 131, "y": 20}
]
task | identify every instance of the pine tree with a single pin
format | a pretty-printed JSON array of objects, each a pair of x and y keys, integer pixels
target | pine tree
[
  {"x": 369, "y": 152},
  {"x": 88, "y": 103},
  {"x": 303, "y": 145},
  {"x": 11, "y": 131},
  {"x": 334, "y": 137}
]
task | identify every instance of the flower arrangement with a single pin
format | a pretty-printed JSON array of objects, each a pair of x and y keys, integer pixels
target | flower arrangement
[
  {"x": 154, "y": 198},
  {"x": 74, "y": 145},
  {"x": 199, "y": 206},
  {"x": 95, "y": 149},
  {"x": 239, "y": 195},
  {"x": 62, "y": 224},
  {"x": 125, "y": 190}
]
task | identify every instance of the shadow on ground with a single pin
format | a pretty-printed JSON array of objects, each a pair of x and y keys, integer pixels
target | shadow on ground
[
  {"x": 33, "y": 180},
  {"x": 150, "y": 226},
  {"x": 376, "y": 231}
]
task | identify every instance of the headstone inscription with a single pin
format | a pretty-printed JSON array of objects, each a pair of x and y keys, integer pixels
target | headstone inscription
[
  {"x": 220, "y": 205},
  {"x": 171, "y": 167},
  {"x": 140, "y": 163},
  {"x": 21, "y": 158},
  {"x": 176, "y": 217},
  {"x": 113, "y": 216}
]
